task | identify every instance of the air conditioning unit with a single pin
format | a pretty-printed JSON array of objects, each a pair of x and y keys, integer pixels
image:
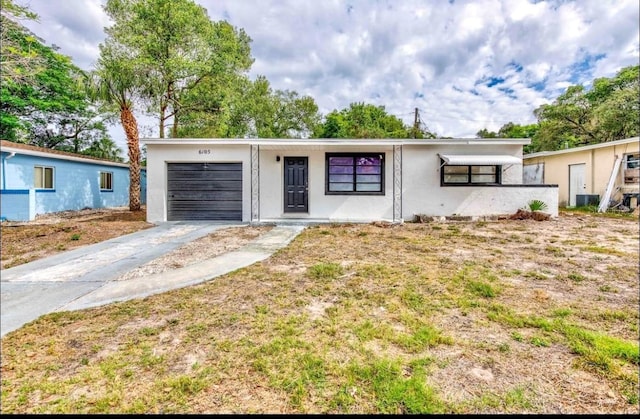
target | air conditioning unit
[{"x": 585, "y": 200}]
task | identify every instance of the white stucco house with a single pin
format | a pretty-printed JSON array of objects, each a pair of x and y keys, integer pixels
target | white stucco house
[{"x": 337, "y": 180}]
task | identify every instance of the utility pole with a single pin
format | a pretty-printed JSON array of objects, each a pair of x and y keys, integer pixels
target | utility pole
[{"x": 415, "y": 123}]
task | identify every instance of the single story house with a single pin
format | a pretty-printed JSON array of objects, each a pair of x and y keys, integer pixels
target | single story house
[
  {"x": 586, "y": 175},
  {"x": 337, "y": 180},
  {"x": 37, "y": 180}
]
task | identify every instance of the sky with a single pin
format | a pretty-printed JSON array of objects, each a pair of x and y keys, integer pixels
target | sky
[{"x": 465, "y": 65}]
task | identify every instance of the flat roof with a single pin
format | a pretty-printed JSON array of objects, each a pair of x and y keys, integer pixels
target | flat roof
[
  {"x": 582, "y": 148},
  {"x": 334, "y": 141}
]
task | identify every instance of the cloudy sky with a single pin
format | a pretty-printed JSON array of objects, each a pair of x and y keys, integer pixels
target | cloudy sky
[{"x": 466, "y": 65}]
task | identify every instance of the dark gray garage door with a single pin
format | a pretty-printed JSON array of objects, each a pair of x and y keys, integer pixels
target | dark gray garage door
[{"x": 204, "y": 191}]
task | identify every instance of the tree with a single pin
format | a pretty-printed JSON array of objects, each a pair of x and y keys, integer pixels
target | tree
[
  {"x": 243, "y": 108},
  {"x": 362, "y": 120},
  {"x": 484, "y": 133},
  {"x": 20, "y": 62},
  {"x": 177, "y": 47},
  {"x": 279, "y": 113},
  {"x": 67, "y": 132},
  {"x": 104, "y": 148},
  {"x": 43, "y": 102},
  {"x": 38, "y": 87},
  {"x": 114, "y": 84},
  {"x": 215, "y": 108},
  {"x": 609, "y": 111},
  {"x": 511, "y": 130}
]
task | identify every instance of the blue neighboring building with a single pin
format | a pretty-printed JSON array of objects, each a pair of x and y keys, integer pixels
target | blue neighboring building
[{"x": 37, "y": 180}]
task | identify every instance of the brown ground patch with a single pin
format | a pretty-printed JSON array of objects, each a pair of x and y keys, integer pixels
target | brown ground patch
[
  {"x": 53, "y": 233},
  {"x": 487, "y": 316}
]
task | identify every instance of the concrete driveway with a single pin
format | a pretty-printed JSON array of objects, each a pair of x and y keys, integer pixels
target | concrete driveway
[{"x": 85, "y": 277}]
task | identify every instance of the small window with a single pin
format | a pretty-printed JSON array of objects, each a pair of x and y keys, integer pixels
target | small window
[
  {"x": 43, "y": 177},
  {"x": 354, "y": 174},
  {"x": 106, "y": 181},
  {"x": 632, "y": 169},
  {"x": 470, "y": 175},
  {"x": 633, "y": 161}
]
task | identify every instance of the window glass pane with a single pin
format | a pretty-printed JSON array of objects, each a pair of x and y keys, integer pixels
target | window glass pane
[
  {"x": 368, "y": 187},
  {"x": 368, "y": 169},
  {"x": 341, "y": 160},
  {"x": 368, "y": 178},
  {"x": 340, "y": 178},
  {"x": 105, "y": 180},
  {"x": 456, "y": 178},
  {"x": 340, "y": 169},
  {"x": 37, "y": 177},
  {"x": 48, "y": 177},
  {"x": 341, "y": 187},
  {"x": 368, "y": 161},
  {"x": 483, "y": 169},
  {"x": 483, "y": 178},
  {"x": 456, "y": 169}
]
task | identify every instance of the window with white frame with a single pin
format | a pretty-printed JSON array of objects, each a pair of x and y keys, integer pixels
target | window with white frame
[
  {"x": 354, "y": 174},
  {"x": 632, "y": 168},
  {"x": 106, "y": 181},
  {"x": 43, "y": 177}
]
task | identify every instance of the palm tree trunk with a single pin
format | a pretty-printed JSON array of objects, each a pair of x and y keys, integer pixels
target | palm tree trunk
[{"x": 130, "y": 126}]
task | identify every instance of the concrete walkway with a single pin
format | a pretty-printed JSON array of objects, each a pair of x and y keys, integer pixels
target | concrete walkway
[{"x": 85, "y": 277}]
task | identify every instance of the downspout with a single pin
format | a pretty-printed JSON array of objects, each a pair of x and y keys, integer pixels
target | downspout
[{"x": 4, "y": 170}]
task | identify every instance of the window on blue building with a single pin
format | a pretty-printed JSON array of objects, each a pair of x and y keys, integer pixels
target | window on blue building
[
  {"x": 43, "y": 177},
  {"x": 106, "y": 181}
]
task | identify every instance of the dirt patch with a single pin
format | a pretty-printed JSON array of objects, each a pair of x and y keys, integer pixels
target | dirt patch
[
  {"x": 50, "y": 234},
  {"x": 500, "y": 316},
  {"x": 53, "y": 233},
  {"x": 212, "y": 245}
]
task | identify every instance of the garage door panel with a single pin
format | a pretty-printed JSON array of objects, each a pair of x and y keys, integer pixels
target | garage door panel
[
  {"x": 207, "y": 216},
  {"x": 213, "y": 167},
  {"x": 221, "y": 185},
  {"x": 201, "y": 205},
  {"x": 206, "y": 176},
  {"x": 204, "y": 191},
  {"x": 206, "y": 196}
]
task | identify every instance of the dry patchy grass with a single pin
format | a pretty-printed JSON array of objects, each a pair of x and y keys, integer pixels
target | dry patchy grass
[
  {"x": 459, "y": 317},
  {"x": 53, "y": 233}
]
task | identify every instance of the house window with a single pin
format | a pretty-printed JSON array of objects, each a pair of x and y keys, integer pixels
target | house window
[
  {"x": 43, "y": 177},
  {"x": 106, "y": 181},
  {"x": 354, "y": 174},
  {"x": 470, "y": 175},
  {"x": 632, "y": 169}
]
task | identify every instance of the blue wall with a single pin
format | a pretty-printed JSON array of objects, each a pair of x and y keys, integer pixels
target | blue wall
[{"x": 76, "y": 185}]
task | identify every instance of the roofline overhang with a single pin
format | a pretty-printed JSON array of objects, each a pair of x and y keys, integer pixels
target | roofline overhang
[
  {"x": 583, "y": 148},
  {"x": 36, "y": 153},
  {"x": 332, "y": 142}
]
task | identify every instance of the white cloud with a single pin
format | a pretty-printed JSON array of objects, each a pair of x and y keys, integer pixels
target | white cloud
[{"x": 437, "y": 56}]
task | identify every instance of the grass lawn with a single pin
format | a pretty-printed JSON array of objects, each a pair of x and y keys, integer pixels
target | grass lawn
[{"x": 442, "y": 317}]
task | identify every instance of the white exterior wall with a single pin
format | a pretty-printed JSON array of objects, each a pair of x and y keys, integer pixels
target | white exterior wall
[
  {"x": 159, "y": 155},
  {"x": 423, "y": 195},
  {"x": 336, "y": 208},
  {"x": 413, "y": 188}
]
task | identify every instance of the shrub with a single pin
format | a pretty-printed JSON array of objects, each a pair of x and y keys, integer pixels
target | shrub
[{"x": 537, "y": 205}]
